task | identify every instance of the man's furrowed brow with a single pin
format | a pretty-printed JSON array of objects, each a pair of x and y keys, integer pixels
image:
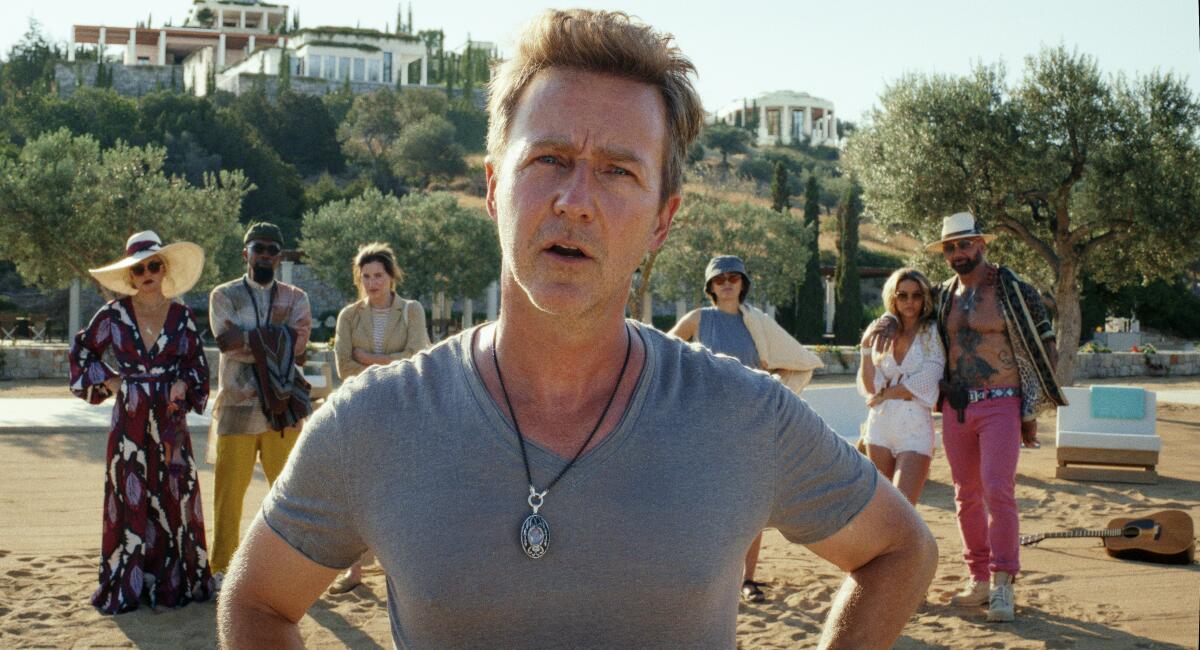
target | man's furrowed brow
[{"x": 614, "y": 154}]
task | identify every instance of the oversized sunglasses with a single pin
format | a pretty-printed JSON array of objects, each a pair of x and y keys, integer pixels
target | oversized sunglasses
[
  {"x": 961, "y": 244},
  {"x": 258, "y": 249},
  {"x": 139, "y": 268},
  {"x": 731, "y": 277},
  {"x": 904, "y": 296}
]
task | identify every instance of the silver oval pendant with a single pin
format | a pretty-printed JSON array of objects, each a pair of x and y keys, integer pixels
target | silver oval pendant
[{"x": 535, "y": 536}]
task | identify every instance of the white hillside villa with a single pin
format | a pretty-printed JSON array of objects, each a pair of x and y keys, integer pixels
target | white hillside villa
[
  {"x": 338, "y": 54},
  {"x": 229, "y": 42},
  {"x": 784, "y": 117}
]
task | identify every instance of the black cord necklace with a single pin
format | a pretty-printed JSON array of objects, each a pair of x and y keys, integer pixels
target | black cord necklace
[{"x": 535, "y": 531}]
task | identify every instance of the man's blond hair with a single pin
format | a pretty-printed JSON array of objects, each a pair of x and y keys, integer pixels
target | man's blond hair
[{"x": 605, "y": 42}]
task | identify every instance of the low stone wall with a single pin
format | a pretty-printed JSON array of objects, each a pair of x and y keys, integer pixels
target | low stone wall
[
  {"x": 838, "y": 359},
  {"x": 1133, "y": 364},
  {"x": 49, "y": 361},
  {"x": 844, "y": 360}
]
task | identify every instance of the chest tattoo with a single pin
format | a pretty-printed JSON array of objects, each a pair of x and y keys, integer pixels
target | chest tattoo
[{"x": 970, "y": 367}]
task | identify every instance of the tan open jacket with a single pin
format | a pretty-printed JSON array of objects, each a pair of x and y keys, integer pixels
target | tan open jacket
[{"x": 405, "y": 335}]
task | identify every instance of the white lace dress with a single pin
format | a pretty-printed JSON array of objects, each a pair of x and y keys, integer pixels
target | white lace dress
[{"x": 906, "y": 425}]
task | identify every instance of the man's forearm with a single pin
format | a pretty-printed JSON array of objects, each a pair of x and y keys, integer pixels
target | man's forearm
[{"x": 875, "y": 601}]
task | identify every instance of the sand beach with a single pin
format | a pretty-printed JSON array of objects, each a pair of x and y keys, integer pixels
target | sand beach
[{"x": 1070, "y": 594}]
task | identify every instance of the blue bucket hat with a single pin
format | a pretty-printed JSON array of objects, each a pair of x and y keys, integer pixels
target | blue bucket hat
[{"x": 727, "y": 264}]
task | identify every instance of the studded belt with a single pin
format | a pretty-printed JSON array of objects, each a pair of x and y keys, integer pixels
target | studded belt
[{"x": 996, "y": 392}]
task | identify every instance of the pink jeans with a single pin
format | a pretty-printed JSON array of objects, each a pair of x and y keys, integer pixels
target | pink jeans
[{"x": 983, "y": 452}]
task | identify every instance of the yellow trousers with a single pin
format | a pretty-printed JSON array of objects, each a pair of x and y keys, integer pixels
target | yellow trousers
[{"x": 236, "y": 455}]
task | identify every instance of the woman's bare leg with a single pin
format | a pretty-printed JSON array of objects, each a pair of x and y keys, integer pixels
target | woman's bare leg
[
  {"x": 752, "y": 558},
  {"x": 884, "y": 461},
  {"x": 911, "y": 471}
]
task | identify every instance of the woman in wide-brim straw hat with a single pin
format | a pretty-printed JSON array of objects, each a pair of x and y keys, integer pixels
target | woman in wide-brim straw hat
[{"x": 153, "y": 547}]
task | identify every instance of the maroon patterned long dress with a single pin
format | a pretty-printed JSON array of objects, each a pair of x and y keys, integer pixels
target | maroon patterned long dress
[{"x": 153, "y": 544}]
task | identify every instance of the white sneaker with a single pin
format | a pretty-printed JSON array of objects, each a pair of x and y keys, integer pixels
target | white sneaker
[
  {"x": 1000, "y": 604},
  {"x": 973, "y": 595}
]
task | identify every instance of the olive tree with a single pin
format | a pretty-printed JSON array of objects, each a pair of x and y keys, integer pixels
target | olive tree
[
  {"x": 1080, "y": 174},
  {"x": 440, "y": 245},
  {"x": 66, "y": 205},
  {"x": 773, "y": 245}
]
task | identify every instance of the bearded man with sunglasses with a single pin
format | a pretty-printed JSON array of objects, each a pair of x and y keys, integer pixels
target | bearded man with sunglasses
[
  {"x": 254, "y": 315},
  {"x": 1000, "y": 360}
]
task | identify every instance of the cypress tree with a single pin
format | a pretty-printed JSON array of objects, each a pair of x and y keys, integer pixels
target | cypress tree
[
  {"x": 285, "y": 72},
  {"x": 779, "y": 189},
  {"x": 810, "y": 299},
  {"x": 847, "y": 319}
]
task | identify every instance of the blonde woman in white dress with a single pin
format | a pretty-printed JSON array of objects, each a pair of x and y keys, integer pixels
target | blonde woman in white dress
[{"x": 900, "y": 384}]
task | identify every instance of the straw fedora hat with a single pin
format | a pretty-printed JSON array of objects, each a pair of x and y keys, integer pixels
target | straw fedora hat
[
  {"x": 184, "y": 261},
  {"x": 959, "y": 225}
]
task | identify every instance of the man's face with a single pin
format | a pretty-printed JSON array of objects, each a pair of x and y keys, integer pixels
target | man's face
[
  {"x": 576, "y": 193},
  {"x": 963, "y": 255},
  {"x": 262, "y": 259}
]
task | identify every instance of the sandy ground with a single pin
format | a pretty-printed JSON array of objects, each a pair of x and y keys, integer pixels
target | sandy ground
[{"x": 1071, "y": 594}]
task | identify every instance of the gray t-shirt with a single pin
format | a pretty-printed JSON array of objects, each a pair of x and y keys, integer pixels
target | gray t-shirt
[{"x": 647, "y": 531}]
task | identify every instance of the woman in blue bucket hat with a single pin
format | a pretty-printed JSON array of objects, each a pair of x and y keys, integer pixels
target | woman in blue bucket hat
[{"x": 733, "y": 328}]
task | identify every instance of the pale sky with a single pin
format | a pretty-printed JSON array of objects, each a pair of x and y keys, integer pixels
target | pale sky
[{"x": 845, "y": 51}]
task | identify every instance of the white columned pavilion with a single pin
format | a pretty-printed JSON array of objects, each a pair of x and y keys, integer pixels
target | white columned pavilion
[
  {"x": 221, "y": 52},
  {"x": 131, "y": 47},
  {"x": 73, "y": 324},
  {"x": 424, "y": 71},
  {"x": 830, "y": 305},
  {"x": 468, "y": 313},
  {"x": 71, "y": 45},
  {"x": 162, "y": 47},
  {"x": 493, "y": 300}
]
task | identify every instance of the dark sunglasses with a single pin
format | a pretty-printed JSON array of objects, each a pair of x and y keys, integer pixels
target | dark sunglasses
[
  {"x": 153, "y": 267},
  {"x": 258, "y": 249},
  {"x": 904, "y": 296},
  {"x": 961, "y": 244},
  {"x": 727, "y": 277}
]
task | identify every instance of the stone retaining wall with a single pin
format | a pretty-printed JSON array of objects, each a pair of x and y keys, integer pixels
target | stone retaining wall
[
  {"x": 1133, "y": 364},
  {"x": 49, "y": 361},
  {"x": 843, "y": 360},
  {"x": 127, "y": 80}
]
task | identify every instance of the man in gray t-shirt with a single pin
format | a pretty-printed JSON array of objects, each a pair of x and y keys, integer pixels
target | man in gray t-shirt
[{"x": 563, "y": 477}]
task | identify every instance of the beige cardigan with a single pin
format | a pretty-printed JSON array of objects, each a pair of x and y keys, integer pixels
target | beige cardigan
[
  {"x": 779, "y": 353},
  {"x": 405, "y": 336}
]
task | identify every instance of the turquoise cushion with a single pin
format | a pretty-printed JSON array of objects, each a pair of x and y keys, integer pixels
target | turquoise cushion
[{"x": 1118, "y": 402}]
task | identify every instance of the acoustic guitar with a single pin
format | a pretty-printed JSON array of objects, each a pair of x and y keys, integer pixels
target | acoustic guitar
[{"x": 1161, "y": 537}]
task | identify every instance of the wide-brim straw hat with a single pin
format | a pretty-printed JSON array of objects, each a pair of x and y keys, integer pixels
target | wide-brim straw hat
[
  {"x": 959, "y": 225},
  {"x": 184, "y": 260}
]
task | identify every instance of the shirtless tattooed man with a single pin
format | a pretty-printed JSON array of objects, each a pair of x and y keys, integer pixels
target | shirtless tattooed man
[{"x": 1000, "y": 357}]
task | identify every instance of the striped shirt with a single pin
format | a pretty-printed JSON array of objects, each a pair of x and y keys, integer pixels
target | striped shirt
[{"x": 379, "y": 321}]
